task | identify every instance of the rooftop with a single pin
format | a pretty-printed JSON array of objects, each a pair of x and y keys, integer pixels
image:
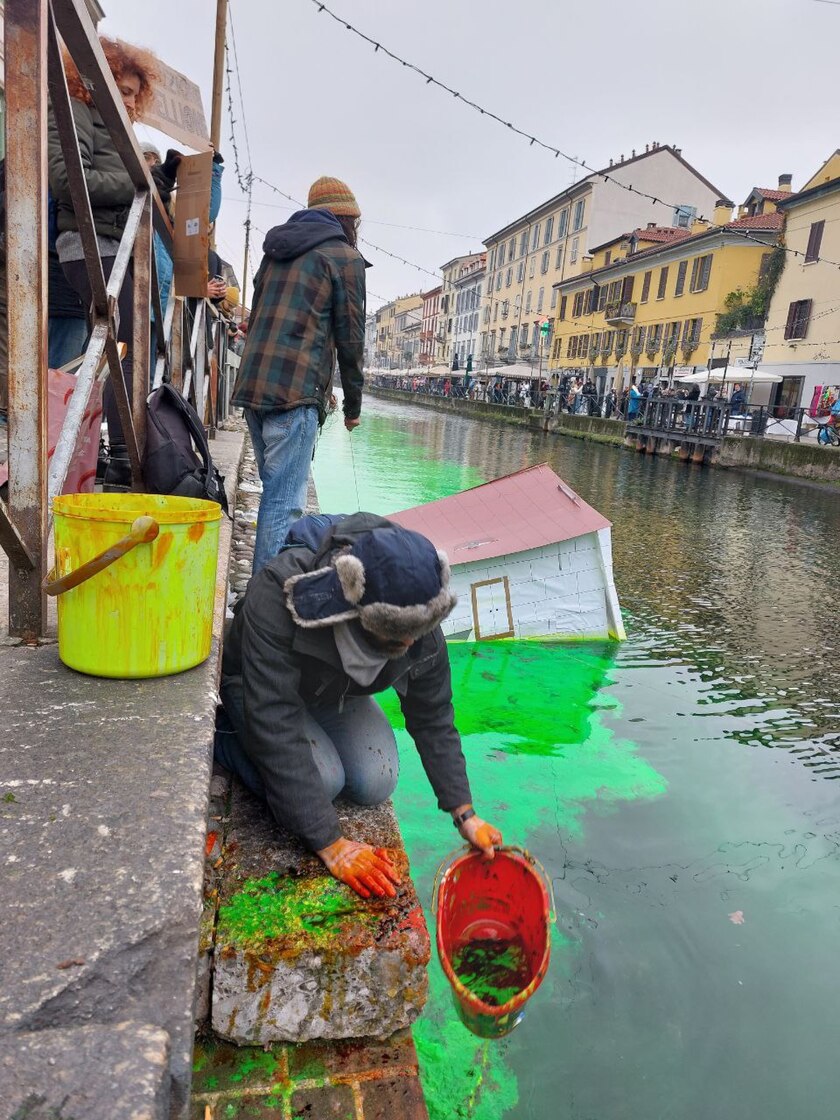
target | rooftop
[{"x": 520, "y": 512}]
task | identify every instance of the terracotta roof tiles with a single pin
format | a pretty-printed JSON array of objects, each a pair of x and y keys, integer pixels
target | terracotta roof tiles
[{"x": 758, "y": 221}]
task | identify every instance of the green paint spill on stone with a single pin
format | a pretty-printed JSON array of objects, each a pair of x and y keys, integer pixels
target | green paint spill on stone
[{"x": 279, "y": 907}]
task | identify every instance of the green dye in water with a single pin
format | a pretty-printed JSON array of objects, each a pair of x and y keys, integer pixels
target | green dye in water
[{"x": 493, "y": 970}]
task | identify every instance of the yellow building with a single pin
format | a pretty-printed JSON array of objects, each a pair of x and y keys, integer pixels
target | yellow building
[
  {"x": 649, "y": 306},
  {"x": 530, "y": 255},
  {"x": 803, "y": 324}
]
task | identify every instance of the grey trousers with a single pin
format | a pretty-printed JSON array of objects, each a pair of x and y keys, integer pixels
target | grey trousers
[{"x": 354, "y": 749}]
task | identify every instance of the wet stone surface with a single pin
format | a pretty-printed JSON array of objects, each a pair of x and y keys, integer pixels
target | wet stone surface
[{"x": 298, "y": 955}]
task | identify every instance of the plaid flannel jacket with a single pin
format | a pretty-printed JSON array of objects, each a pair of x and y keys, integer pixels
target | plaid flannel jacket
[{"x": 305, "y": 313}]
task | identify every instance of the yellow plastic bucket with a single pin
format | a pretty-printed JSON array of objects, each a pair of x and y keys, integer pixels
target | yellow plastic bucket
[{"x": 135, "y": 576}]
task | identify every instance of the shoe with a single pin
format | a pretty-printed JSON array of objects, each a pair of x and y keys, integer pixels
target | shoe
[{"x": 117, "y": 478}]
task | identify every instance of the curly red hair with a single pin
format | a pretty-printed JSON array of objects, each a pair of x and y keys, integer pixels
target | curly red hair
[{"x": 123, "y": 59}]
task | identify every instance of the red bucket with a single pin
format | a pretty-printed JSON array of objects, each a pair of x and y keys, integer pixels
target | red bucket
[{"x": 493, "y": 936}]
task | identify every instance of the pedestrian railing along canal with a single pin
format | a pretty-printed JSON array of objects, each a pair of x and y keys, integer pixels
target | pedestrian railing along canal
[
  {"x": 709, "y": 422},
  {"x": 186, "y": 344}
]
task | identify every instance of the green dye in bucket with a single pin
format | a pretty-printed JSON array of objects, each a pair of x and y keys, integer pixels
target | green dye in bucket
[{"x": 493, "y": 970}]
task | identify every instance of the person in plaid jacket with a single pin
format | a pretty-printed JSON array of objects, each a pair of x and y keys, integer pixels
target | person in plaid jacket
[{"x": 308, "y": 310}]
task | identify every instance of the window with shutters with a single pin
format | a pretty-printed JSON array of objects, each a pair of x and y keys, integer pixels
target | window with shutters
[
  {"x": 607, "y": 341},
  {"x": 577, "y": 304},
  {"x": 520, "y": 272},
  {"x": 577, "y": 220},
  {"x": 553, "y": 299},
  {"x": 812, "y": 253},
  {"x": 799, "y": 315},
  {"x": 528, "y": 303},
  {"x": 614, "y": 291},
  {"x": 511, "y": 249},
  {"x": 532, "y": 268},
  {"x": 558, "y": 260},
  {"x": 517, "y": 303},
  {"x": 495, "y": 310},
  {"x": 663, "y": 282},
  {"x": 557, "y": 349},
  {"x": 627, "y": 289},
  {"x": 535, "y": 236},
  {"x": 508, "y": 277},
  {"x": 523, "y": 243},
  {"x": 654, "y": 338},
  {"x": 563, "y": 223},
  {"x": 541, "y": 297},
  {"x": 498, "y": 280},
  {"x": 574, "y": 253},
  {"x": 646, "y": 286},
  {"x": 638, "y": 343},
  {"x": 700, "y": 271},
  {"x": 523, "y": 335},
  {"x": 607, "y": 257},
  {"x": 681, "y": 271},
  {"x": 545, "y": 262},
  {"x": 505, "y": 308},
  {"x": 549, "y": 231},
  {"x": 563, "y": 304},
  {"x": 492, "y": 262}
]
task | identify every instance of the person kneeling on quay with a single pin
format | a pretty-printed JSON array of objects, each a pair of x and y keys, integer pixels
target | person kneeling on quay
[{"x": 350, "y": 607}]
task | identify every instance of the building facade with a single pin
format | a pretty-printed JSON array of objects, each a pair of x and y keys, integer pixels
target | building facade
[
  {"x": 452, "y": 272},
  {"x": 429, "y": 326},
  {"x": 469, "y": 287},
  {"x": 651, "y": 305},
  {"x": 528, "y": 257},
  {"x": 803, "y": 324}
]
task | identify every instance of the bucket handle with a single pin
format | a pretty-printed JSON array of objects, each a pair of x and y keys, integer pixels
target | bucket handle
[
  {"x": 532, "y": 859},
  {"x": 143, "y": 531}
]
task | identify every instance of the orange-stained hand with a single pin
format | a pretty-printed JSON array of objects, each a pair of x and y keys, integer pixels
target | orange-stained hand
[
  {"x": 367, "y": 870},
  {"x": 351, "y": 424},
  {"x": 482, "y": 836}
]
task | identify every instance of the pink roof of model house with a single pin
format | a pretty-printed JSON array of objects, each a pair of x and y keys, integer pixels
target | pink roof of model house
[{"x": 529, "y": 509}]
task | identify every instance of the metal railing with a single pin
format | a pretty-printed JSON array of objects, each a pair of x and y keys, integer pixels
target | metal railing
[
  {"x": 691, "y": 421},
  {"x": 190, "y": 341}
]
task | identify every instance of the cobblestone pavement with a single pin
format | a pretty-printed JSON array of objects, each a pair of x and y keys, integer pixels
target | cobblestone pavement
[{"x": 354, "y": 1079}]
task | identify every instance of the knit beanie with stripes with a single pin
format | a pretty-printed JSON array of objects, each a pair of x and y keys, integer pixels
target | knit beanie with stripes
[{"x": 331, "y": 194}]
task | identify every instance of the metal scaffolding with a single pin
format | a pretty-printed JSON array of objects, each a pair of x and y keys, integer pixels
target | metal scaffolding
[{"x": 189, "y": 341}]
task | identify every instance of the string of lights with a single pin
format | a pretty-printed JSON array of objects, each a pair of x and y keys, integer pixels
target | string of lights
[
  {"x": 239, "y": 86},
  {"x": 533, "y": 141}
]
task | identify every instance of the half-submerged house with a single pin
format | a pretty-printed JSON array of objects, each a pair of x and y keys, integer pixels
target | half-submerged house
[{"x": 529, "y": 559}]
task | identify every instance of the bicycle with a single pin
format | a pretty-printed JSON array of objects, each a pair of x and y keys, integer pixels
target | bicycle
[{"x": 828, "y": 435}]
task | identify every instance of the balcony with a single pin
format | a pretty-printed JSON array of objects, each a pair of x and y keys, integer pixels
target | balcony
[{"x": 617, "y": 313}]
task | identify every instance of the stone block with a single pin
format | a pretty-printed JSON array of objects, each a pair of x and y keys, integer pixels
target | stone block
[
  {"x": 92, "y": 1072},
  {"x": 298, "y": 955},
  {"x": 398, "y": 1097},
  {"x": 332, "y": 1102}
]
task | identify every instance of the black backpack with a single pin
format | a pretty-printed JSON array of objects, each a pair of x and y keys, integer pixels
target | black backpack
[{"x": 177, "y": 457}]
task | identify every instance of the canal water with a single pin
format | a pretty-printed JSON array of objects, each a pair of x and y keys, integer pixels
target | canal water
[{"x": 679, "y": 788}]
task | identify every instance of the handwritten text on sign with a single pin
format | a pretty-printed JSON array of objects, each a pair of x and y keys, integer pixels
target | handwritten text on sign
[{"x": 177, "y": 109}]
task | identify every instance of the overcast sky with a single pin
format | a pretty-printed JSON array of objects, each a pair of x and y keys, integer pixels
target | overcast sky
[{"x": 747, "y": 89}]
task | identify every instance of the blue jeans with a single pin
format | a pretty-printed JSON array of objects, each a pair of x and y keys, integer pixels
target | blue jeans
[
  {"x": 66, "y": 340},
  {"x": 284, "y": 441},
  {"x": 354, "y": 749}
]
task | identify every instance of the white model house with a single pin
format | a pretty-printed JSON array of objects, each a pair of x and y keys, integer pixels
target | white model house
[{"x": 529, "y": 559}]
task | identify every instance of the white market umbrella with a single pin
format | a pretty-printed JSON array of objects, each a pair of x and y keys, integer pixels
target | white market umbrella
[{"x": 730, "y": 375}]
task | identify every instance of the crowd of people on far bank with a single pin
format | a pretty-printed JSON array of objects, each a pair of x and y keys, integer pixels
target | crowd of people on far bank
[{"x": 570, "y": 393}]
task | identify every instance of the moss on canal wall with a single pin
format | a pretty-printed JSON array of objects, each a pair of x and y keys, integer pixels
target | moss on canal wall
[
  {"x": 798, "y": 460},
  {"x": 794, "y": 460}
]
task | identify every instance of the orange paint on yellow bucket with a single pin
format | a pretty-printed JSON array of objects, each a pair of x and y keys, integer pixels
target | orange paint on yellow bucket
[{"x": 147, "y": 609}]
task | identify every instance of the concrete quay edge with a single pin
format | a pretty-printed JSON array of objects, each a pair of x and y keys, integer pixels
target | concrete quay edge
[{"x": 103, "y": 812}]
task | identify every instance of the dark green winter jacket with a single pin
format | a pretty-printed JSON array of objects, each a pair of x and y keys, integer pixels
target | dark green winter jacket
[
  {"x": 110, "y": 187},
  {"x": 274, "y": 669}
]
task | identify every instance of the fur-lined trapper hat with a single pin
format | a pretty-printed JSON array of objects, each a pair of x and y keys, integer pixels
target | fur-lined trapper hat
[{"x": 391, "y": 579}]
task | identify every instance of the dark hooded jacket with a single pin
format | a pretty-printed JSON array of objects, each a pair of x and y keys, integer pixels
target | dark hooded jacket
[
  {"x": 308, "y": 310},
  {"x": 273, "y": 669}
]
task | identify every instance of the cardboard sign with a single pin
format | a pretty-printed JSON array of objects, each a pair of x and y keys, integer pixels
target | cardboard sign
[
  {"x": 177, "y": 109},
  {"x": 191, "y": 240}
]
